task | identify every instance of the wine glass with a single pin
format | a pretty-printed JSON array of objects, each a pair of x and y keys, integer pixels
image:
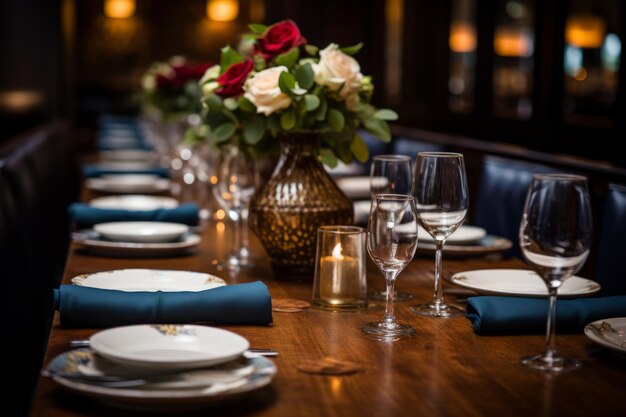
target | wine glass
[
  {"x": 390, "y": 174},
  {"x": 555, "y": 238},
  {"x": 238, "y": 179},
  {"x": 391, "y": 243},
  {"x": 442, "y": 200}
]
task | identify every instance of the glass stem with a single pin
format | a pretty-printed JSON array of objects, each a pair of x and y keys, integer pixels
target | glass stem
[
  {"x": 245, "y": 242},
  {"x": 438, "y": 293},
  {"x": 236, "y": 238},
  {"x": 389, "y": 320},
  {"x": 550, "y": 353}
]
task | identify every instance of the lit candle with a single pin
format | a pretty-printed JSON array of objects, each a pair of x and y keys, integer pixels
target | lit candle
[{"x": 340, "y": 277}]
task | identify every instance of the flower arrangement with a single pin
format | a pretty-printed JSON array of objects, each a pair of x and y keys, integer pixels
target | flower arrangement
[
  {"x": 172, "y": 88},
  {"x": 287, "y": 85}
]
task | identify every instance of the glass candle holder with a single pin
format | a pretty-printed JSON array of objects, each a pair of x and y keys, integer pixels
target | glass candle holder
[{"x": 340, "y": 281}]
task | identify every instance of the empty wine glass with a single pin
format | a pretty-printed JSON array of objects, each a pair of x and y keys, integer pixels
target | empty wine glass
[
  {"x": 555, "y": 237},
  {"x": 441, "y": 200},
  {"x": 390, "y": 174},
  {"x": 238, "y": 179},
  {"x": 391, "y": 243}
]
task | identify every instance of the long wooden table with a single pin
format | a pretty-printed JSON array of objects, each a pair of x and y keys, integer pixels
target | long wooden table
[{"x": 445, "y": 369}]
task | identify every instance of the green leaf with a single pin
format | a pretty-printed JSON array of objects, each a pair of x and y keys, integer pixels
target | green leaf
[
  {"x": 288, "y": 58},
  {"x": 224, "y": 132},
  {"x": 214, "y": 102},
  {"x": 311, "y": 49},
  {"x": 359, "y": 148},
  {"x": 229, "y": 57},
  {"x": 351, "y": 50},
  {"x": 230, "y": 103},
  {"x": 246, "y": 105},
  {"x": 273, "y": 124},
  {"x": 336, "y": 120},
  {"x": 254, "y": 129},
  {"x": 320, "y": 115},
  {"x": 378, "y": 128},
  {"x": 257, "y": 28},
  {"x": 288, "y": 119},
  {"x": 386, "y": 114},
  {"x": 286, "y": 82},
  {"x": 311, "y": 102},
  {"x": 229, "y": 114},
  {"x": 305, "y": 76},
  {"x": 328, "y": 157}
]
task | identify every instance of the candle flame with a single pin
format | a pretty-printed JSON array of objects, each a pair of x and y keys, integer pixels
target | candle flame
[{"x": 337, "y": 252}]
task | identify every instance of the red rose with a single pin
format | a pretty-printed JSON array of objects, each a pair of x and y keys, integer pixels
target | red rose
[
  {"x": 232, "y": 80},
  {"x": 278, "y": 39},
  {"x": 180, "y": 75}
]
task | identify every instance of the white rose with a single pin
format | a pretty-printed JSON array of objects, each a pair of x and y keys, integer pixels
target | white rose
[
  {"x": 336, "y": 69},
  {"x": 262, "y": 90},
  {"x": 148, "y": 82},
  {"x": 210, "y": 74}
]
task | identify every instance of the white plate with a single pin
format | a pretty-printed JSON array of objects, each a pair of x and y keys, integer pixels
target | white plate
[
  {"x": 134, "y": 202},
  {"x": 168, "y": 346},
  {"x": 128, "y": 155},
  {"x": 149, "y": 280},
  {"x": 610, "y": 333},
  {"x": 124, "y": 165},
  {"x": 521, "y": 282},
  {"x": 129, "y": 183},
  {"x": 463, "y": 235},
  {"x": 355, "y": 187},
  {"x": 142, "y": 232},
  {"x": 160, "y": 397},
  {"x": 94, "y": 243},
  {"x": 486, "y": 246}
]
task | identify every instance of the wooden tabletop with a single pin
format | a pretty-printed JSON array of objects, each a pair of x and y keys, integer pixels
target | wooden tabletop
[{"x": 445, "y": 369}]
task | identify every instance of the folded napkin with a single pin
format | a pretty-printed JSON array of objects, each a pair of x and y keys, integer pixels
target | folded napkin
[
  {"x": 230, "y": 304},
  {"x": 512, "y": 315},
  {"x": 85, "y": 216},
  {"x": 91, "y": 171}
]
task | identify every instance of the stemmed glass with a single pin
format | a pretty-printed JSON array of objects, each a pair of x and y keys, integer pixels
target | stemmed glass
[
  {"x": 391, "y": 243},
  {"x": 390, "y": 174},
  {"x": 238, "y": 179},
  {"x": 555, "y": 238},
  {"x": 442, "y": 200}
]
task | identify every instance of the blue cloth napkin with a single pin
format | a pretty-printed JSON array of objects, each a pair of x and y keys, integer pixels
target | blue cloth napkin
[
  {"x": 85, "y": 216},
  {"x": 231, "y": 304},
  {"x": 91, "y": 171},
  {"x": 512, "y": 315}
]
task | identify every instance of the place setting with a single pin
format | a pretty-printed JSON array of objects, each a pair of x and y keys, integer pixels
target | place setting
[
  {"x": 137, "y": 238},
  {"x": 129, "y": 183},
  {"x": 162, "y": 365}
]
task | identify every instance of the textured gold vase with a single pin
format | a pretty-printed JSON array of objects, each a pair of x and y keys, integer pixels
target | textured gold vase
[{"x": 298, "y": 198}]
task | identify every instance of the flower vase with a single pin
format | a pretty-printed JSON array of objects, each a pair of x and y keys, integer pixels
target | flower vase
[{"x": 298, "y": 198}]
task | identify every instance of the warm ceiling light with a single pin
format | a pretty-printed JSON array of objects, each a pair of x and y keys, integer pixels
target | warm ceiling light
[
  {"x": 119, "y": 9},
  {"x": 222, "y": 10},
  {"x": 462, "y": 37},
  {"x": 512, "y": 42},
  {"x": 585, "y": 31}
]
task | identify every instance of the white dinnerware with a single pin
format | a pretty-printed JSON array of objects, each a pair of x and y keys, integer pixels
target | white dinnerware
[
  {"x": 93, "y": 242},
  {"x": 520, "y": 283},
  {"x": 142, "y": 232},
  {"x": 168, "y": 346},
  {"x": 355, "y": 187},
  {"x": 134, "y": 202},
  {"x": 173, "y": 396},
  {"x": 149, "y": 280},
  {"x": 129, "y": 183},
  {"x": 128, "y": 155},
  {"x": 465, "y": 234},
  {"x": 609, "y": 332}
]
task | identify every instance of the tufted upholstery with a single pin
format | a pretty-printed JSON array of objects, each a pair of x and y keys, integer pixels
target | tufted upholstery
[
  {"x": 501, "y": 196},
  {"x": 611, "y": 265}
]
